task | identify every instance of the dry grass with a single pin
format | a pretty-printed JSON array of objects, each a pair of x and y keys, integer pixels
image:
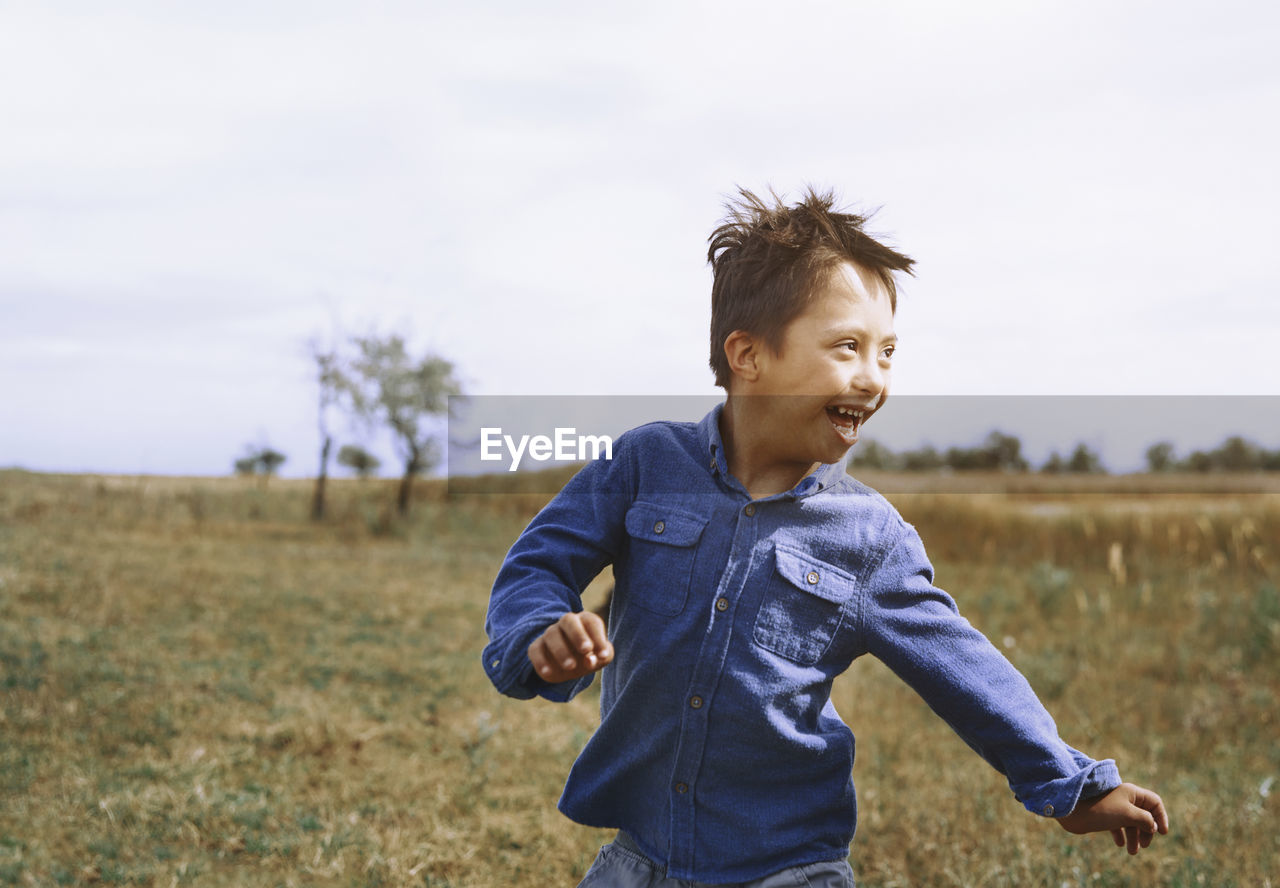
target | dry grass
[{"x": 201, "y": 687}]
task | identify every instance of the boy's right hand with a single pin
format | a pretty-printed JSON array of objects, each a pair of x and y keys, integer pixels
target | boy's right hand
[
  {"x": 573, "y": 646},
  {"x": 1133, "y": 815}
]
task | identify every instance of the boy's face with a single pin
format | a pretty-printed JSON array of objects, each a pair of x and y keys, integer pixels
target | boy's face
[{"x": 832, "y": 371}]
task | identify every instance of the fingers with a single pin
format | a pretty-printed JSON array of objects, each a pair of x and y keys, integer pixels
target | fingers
[
  {"x": 1148, "y": 814},
  {"x": 1145, "y": 815},
  {"x": 1136, "y": 837},
  {"x": 549, "y": 654},
  {"x": 1148, "y": 800},
  {"x": 1143, "y": 820},
  {"x": 574, "y": 642},
  {"x": 596, "y": 631},
  {"x": 544, "y": 662},
  {"x": 573, "y": 646},
  {"x": 1131, "y": 814}
]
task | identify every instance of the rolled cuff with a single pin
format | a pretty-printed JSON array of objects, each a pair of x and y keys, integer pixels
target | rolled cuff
[
  {"x": 1058, "y": 798},
  {"x": 506, "y": 662}
]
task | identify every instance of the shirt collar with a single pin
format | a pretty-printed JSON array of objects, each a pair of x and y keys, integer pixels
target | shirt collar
[{"x": 824, "y": 477}]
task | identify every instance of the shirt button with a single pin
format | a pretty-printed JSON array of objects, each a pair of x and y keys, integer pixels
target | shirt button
[
  {"x": 1048, "y": 810},
  {"x": 682, "y": 788},
  {"x": 495, "y": 664},
  {"x": 812, "y": 578},
  {"x": 722, "y": 604},
  {"x": 749, "y": 510},
  {"x": 695, "y": 701},
  {"x": 659, "y": 527}
]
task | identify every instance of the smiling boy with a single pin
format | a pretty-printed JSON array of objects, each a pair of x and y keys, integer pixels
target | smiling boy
[{"x": 750, "y": 570}]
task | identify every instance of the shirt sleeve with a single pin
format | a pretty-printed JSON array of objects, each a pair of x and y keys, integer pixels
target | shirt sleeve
[
  {"x": 542, "y": 578},
  {"x": 917, "y": 631}
]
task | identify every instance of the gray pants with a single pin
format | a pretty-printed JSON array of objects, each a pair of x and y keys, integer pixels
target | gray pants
[{"x": 621, "y": 865}]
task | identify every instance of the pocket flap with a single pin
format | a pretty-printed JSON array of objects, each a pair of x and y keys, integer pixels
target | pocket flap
[
  {"x": 813, "y": 576},
  {"x": 662, "y": 524}
]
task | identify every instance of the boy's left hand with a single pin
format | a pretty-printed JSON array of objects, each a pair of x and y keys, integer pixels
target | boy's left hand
[
  {"x": 1131, "y": 813},
  {"x": 575, "y": 645}
]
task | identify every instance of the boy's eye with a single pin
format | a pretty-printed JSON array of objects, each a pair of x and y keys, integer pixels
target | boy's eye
[
  {"x": 852, "y": 346},
  {"x": 888, "y": 352}
]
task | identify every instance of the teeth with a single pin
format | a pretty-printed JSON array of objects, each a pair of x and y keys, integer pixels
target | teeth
[{"x": 848, "y": 411}]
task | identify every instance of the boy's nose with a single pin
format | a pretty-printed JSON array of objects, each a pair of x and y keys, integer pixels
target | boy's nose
[{"x": 869, "y": 378}]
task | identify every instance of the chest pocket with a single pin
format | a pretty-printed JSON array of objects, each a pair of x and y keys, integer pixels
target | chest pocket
[
  {"x": 663, "y": 543},
  {"x": 803, "y": 606}
]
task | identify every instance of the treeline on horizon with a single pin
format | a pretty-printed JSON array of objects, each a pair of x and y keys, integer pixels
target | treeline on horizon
[
  {"x": 375, "y": 381},
  {"x": 1000, "y": 452}
]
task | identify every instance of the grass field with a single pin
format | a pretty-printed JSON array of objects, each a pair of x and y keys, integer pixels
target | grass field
[{"x": 202, "y": 687}]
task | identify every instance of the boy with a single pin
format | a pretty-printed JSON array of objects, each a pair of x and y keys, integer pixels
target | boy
[{"x": 750, "y": 570}]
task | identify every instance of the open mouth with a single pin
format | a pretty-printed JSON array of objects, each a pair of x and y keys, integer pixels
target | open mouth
[{"x": 846, "y": 421}]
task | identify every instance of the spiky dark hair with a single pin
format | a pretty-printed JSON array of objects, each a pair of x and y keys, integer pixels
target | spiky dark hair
[{"x": 769, "y": 259}]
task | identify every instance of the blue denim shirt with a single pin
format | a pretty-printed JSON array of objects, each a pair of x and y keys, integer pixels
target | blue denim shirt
[{"x": 719, "y": 751}]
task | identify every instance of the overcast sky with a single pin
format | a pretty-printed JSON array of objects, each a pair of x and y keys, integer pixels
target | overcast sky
[{"x": 190, "y": 192}]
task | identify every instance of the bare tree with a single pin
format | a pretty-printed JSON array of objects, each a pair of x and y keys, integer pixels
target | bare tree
[
  {"x": 411, "y": 395},
  {"x": 331, "y": 384}
]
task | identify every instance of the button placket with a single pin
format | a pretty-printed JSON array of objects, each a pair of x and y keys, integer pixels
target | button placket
[{"x": 696, "y": 717}]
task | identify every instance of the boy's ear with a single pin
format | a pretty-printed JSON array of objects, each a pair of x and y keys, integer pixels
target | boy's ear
[{"x": 743, "y": 353}]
